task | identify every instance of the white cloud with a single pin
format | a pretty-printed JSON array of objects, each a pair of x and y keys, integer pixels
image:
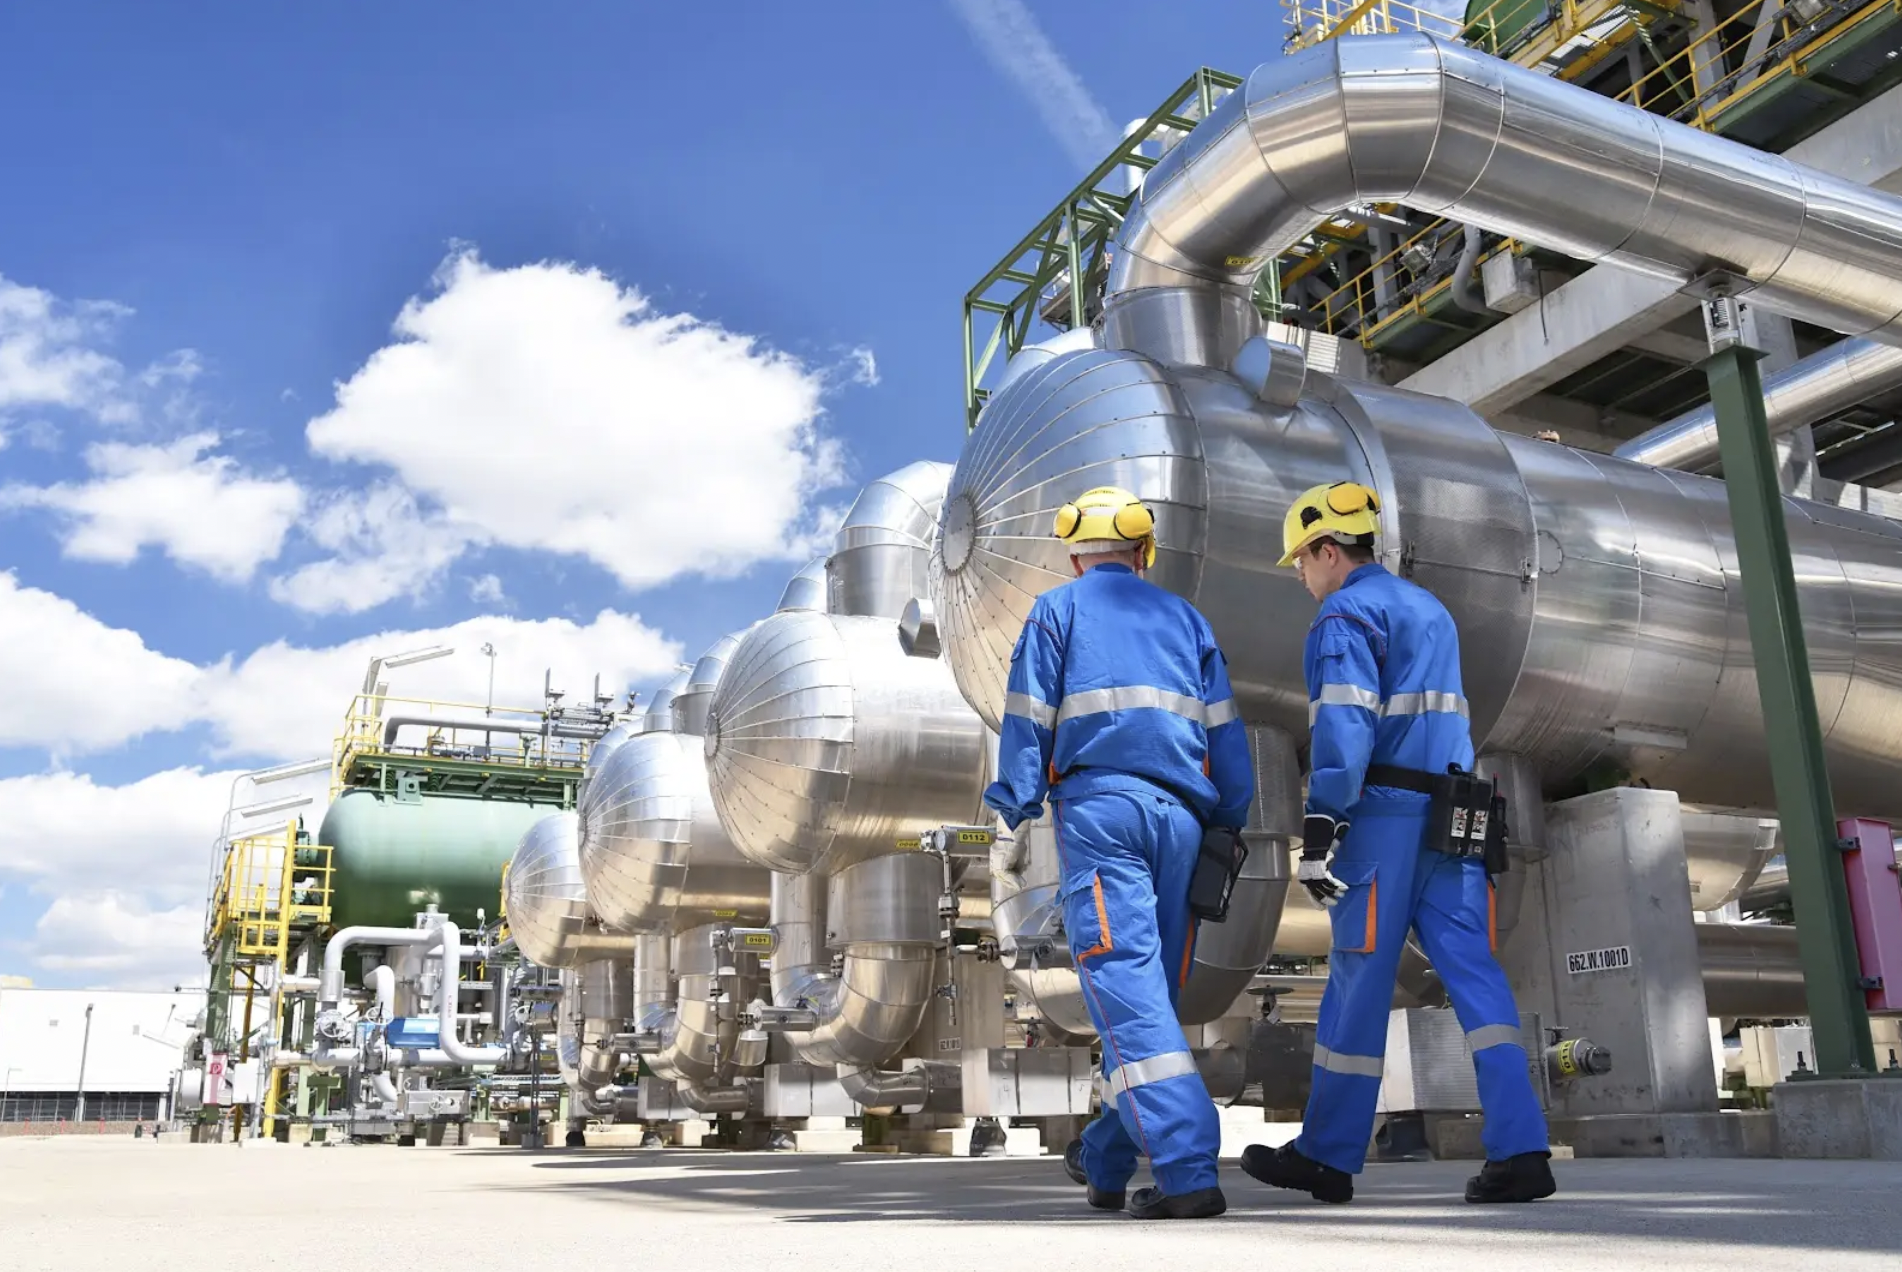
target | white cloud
[
  {"x": 488, "y": 590},
  {"x": 548, "y": 407},
  {"x": 199, "y": 509},
  {"x": 288, "y": 701},
  {"x": 120, "y": 941},
  {"x": 63, "y": 835},
  {"x": 864, "y": 367},
  {"x": 47, "y": 356},
  {"x": 64, "y": 832},
  {"x": 386, "y": 545},
  {"x": 76, "y": 684},
  {"x": 1016, "y": 45}
]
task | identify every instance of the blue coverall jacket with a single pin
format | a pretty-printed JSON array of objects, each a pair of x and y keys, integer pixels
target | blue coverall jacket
[
  {"x": 1119, "y": 712},
  {"x": 1384, "y": 687}
]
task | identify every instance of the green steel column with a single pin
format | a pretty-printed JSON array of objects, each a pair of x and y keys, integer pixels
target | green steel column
[{"x": 1831, "y": 970}]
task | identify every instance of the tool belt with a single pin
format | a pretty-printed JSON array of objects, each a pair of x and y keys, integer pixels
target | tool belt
[{"x": 1466, "y": 814}]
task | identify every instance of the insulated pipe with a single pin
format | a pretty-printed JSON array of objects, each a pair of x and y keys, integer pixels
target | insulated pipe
[
  {"x": 330, "y": 983},
  {"x": 1462, "y": 282},
  {"x": 1229, "y": 953},
  {"x": 653, "y": 982},
  {"x": 883, "y": 914},
  {"x": 882, "y": 551},
  {"x": 715, "y": 1100},
  {"x": 448, "y": 984},
  {"x": 1425, "y": 122},
  {"x": 483, "y": 724},
  {"x": 1844, "y": 375},
  {"x": 343, "y": 1057},
  {"x": 385, "y": 1089},
  {"x": 907, "y": 1090},
  {"x": 383, "y": 984},
  {"x": 1751, "y": 970},
  {"x": 699, "y": 1035}
]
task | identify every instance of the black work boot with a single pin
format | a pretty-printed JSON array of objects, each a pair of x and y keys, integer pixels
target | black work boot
[
  {"x": 1100, "y": 1198},
  {"x": 1524, "y": 1177},
  {"x": 1153, "y": 1203},
  {"x": 1288, "y": 1167}
]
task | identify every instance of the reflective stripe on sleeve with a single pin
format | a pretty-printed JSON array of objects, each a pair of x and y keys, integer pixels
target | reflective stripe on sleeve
[
  {"x": 1494, "y": 1036},
  {"x": 1217, "y": 714},
  {"x": 1029, "y": 708},
  {"x": 1344, "y": 696}
]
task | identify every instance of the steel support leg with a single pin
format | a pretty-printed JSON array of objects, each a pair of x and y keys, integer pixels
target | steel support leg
[{"x": 1838, "y": 1017}]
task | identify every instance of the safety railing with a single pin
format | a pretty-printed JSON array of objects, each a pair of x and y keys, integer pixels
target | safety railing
[
  {"x": 1703, "y": 83},
  {"x": 1314, "y": 21},
  {"x": 270, "y": 887},
  {"x": 506, "y": 738}
]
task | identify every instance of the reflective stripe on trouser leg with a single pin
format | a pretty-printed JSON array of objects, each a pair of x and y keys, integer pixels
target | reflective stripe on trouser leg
[
  {"x": 1135, "y": 1073},
  {"x": 1452, "y": 922},
  {"x": 1111, "y": 839},
  {"x": 1351, "y": 1038}
]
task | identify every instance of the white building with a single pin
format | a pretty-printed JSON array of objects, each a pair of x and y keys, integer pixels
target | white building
[{"x": 114, "y": 1049}]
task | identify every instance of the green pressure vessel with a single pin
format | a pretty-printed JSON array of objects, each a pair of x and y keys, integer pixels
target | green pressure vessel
[{"x": 391, "y": 858}]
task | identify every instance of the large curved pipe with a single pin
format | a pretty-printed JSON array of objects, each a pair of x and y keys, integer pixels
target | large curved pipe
[
  {"x": 383, "y": 985},
  {"x": 330, "y": 981},
  {"x": 1461, "y": 285},
  {"x": 1442, "y": 128},
  {"x": 908, "y": 1090},
  {"x": 882, "y": 552},
  {"x": 887, "y": 928},
  {"x": 699, "y": 1035},
  {"x": 448, "y": 988},
  {"x": 1844, "y": 375},
  {"x": 715, "y": 1100}
]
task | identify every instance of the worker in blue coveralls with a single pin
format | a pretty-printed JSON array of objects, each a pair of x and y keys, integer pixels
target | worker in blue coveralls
[
  {"x": 1389, "y": 723},
  {"x": 1119, "y": 712}
]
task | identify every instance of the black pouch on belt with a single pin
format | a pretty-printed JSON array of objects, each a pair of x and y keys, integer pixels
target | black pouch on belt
[
  {"x": 1497, "y": 862},
  {"x": 1459, "y": 814},
  {"x": 1218, "y": 863}
]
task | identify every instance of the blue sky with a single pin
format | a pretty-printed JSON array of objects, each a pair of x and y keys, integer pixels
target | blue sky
[{"x": 677, "y": 280}]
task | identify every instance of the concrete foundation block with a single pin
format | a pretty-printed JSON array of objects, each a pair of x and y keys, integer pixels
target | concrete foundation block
[
  {"x": 825, "y": 1139},
  {"x": 1746, "y": 1134},
  {"x": 1848, "y": 1118}
]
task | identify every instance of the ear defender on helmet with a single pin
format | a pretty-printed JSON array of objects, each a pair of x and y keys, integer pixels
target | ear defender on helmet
[
  {"x": 1133, "y": 521},
  {"x": 1349, "y": 497},
  {"x": 1068, "y": 517}
]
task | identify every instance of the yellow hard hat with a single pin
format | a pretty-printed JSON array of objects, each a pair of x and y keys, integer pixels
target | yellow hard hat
[
  {"x": 1108, "y": 514},
  {"x": 1341, "y": 509}
]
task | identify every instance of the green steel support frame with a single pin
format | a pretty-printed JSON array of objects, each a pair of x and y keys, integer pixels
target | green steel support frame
[
  {"x": 1071, "y": 245},
  {"x": 1826, "y": 941}
]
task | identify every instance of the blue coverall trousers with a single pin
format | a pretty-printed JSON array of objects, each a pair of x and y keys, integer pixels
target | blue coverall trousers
[
  {"x": 1126, "y": 861},
  {"x": 1395, "y": 883}
]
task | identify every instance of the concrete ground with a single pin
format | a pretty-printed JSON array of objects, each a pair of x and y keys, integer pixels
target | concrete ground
[{"x": 72, "y": 1204}]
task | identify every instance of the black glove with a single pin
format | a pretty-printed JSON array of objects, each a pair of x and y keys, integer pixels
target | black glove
[{"x": 1321, "y": 836}]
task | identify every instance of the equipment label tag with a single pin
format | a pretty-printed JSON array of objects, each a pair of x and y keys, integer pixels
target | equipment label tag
[{"x": 1616, "y": 958}]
